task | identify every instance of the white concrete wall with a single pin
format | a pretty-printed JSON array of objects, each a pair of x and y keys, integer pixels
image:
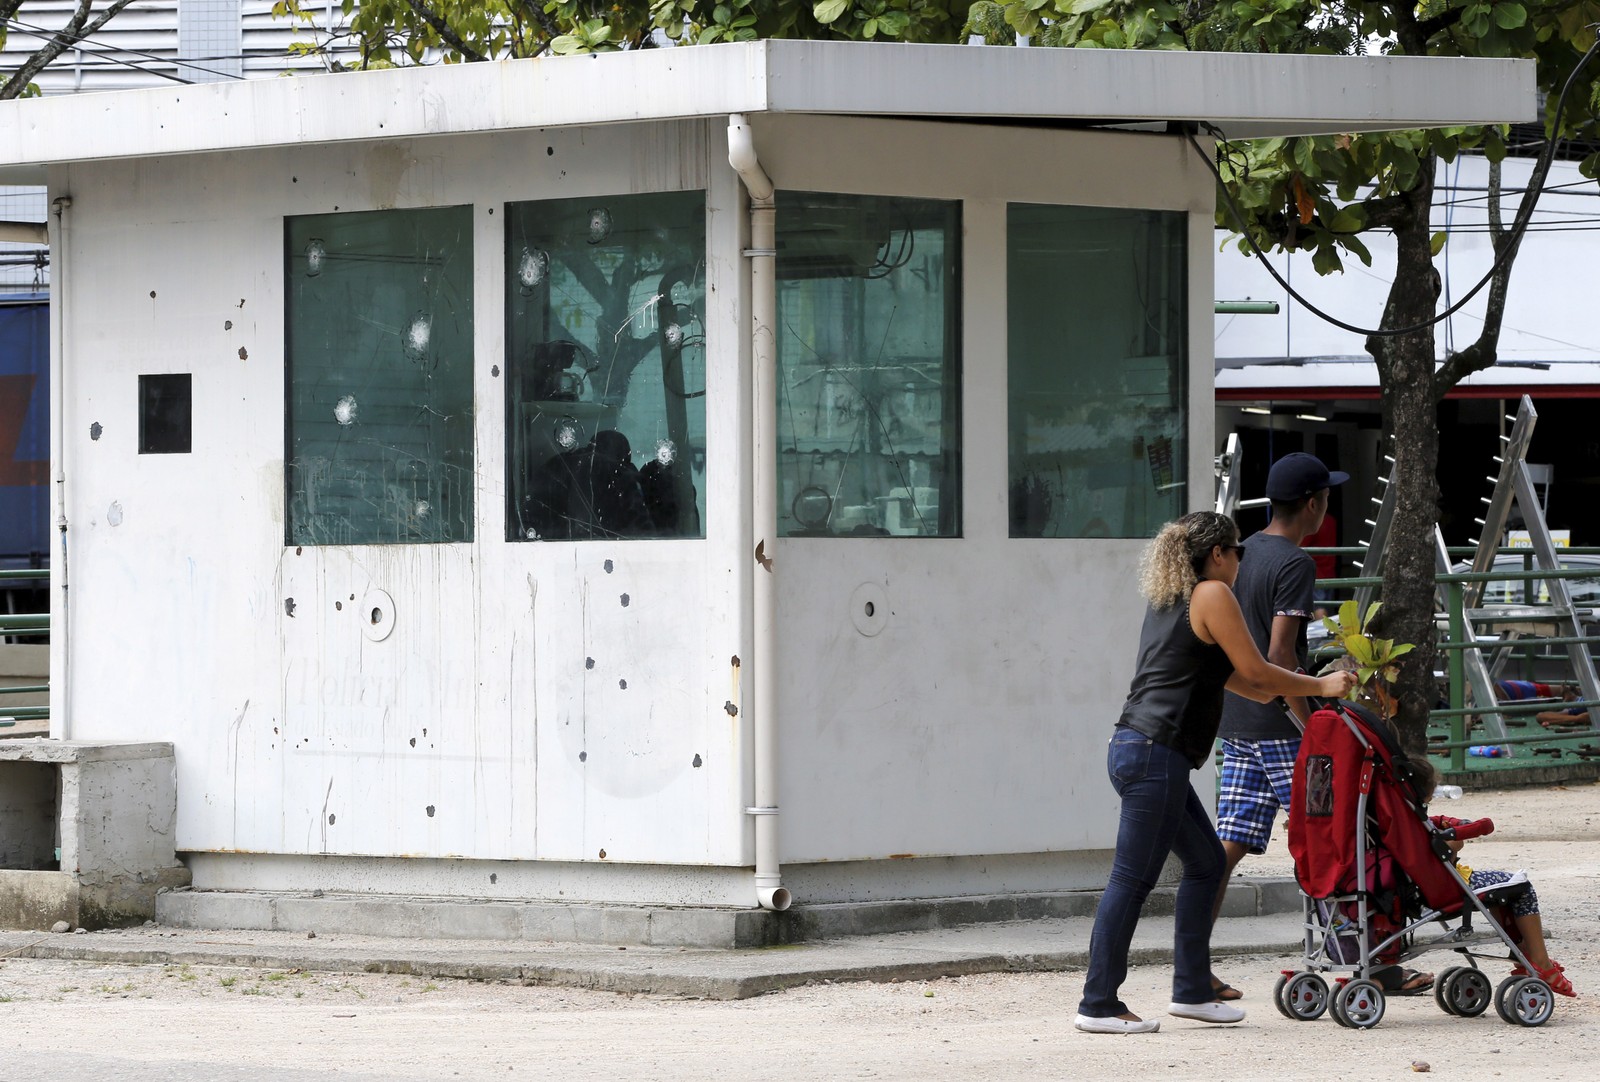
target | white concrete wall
[{"x": 974, "y": 724}]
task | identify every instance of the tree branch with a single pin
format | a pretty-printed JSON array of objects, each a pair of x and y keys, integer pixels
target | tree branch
[
  {"x": 446, "y": 35},
  {"x": 1485, "y": 351},
  {"x": 76, "y": 29}
]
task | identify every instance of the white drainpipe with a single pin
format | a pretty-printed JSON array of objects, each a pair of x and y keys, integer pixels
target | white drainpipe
[
  {"x": 60, "y": 701},
  {"x": 770, "y": 892}
]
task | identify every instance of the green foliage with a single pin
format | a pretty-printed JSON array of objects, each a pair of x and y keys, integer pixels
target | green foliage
[
  {"x": 1376, "y": 661},
  {"x": 1318, "y": 194},
  {"x": 391, "y": 32}
]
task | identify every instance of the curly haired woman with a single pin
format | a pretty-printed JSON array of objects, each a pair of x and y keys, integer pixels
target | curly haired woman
[{"x": 1194, "y": 643}]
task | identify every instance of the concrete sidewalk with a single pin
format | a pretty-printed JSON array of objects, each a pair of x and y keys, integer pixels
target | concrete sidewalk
[{"x": 1018, "y": 946}]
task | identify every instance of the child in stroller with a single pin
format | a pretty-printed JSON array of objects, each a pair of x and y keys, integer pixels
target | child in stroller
[
  {"x": 1524, "y": 910},
  {"x": 1377, "y": 873}
]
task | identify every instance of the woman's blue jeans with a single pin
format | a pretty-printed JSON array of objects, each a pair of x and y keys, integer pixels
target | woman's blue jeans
[{"x": 1160, "y": 814}]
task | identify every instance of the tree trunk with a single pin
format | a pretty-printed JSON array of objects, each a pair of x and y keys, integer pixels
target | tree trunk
[{"x": 1406, "y": 368}]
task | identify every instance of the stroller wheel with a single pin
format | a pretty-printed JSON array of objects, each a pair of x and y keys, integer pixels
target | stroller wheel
[
  {"x": 1359, "y": 1004},
  {"x": 1439, "y": 987},
  {"x": 1303, "y": 996},
  {"x": 1468, "y": 992},
  {"x": 1525, "y": 1001}
]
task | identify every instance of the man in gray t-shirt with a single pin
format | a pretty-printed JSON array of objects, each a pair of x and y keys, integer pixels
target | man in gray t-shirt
[{"x": 1275, "y": 592}]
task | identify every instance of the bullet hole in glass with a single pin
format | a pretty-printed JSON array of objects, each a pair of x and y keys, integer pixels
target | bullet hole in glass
[
  {"x": 588, "y": 663},
  {"x": 625, "y": 600},
  {"x": 288, "y": 606},
  {"x": 417, "y": 337},
  {"x": 430, "y": 811},
  {"x": 869, "y": 608},
  {"x": 697, "y": 761},
  {"x": 316, "y": 255},
  {"x": 95, "y": 430},
  {"x": 532, "y": 268},
  {"x": 345, "y": 410},
  {"x": 599, "y": 226},
  {"x": 610, "y": 567},
  {"x": 666, "y": 452},
  {"x": 566, "y": 436}
]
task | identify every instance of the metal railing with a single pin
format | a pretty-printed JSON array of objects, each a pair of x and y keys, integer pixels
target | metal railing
[
  {"x": 1455, "y": 720},
  {"x": 16, "y": 627}
]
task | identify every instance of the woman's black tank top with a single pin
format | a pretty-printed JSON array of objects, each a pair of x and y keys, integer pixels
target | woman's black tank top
[{"x": 1176, "y": 696}]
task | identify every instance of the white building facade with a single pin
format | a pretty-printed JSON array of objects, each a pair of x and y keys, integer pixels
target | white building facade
[{"x": 342, "y": 367}]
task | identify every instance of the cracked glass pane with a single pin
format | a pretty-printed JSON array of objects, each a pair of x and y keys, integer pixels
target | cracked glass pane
[
  {"x": 869, "y": 392},
  {"x": 379, "y": 359},
  {"x": 605, "y": 367},
  {"x": 1098, "y": 370}
]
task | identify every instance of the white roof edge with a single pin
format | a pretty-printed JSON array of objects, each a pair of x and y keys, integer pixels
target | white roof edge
[{"x": 1245, "y": 95}]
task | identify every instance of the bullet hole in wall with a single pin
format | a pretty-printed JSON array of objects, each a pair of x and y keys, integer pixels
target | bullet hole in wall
[
  {"x": 413, "y": 741},
  {"x": 338, "y": 606},
  {"x": 331, "y": 818},
  {"x": 227, "y": 324},
  {"x": 610, "y": 567},
  {"x": 583, "y": 757},
  {"x": 698, "y": 761},
  {"x": 623, "y": 684},
  {"x": 625, "y": 600},
  {"x": 244, "y": 354},
  {"x": 288, "y": 606},
  {"x": 95, "y": 430},
  {"x": 493, "y": 878},
  {"x": 588, "y": 663},
  {"x": 430, "y": 811},
  {"x": 735, "y": 661},
  {"x": 733, "y": 711},
  {"x": 152, "y": 294},
  {"x": 494, "y": 370},
  {"x": 602, "y": 854},
  {"x": 298, "y": 549}
]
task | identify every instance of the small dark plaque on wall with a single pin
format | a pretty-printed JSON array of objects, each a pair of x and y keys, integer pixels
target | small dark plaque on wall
[{"x": 166, "y": 414}]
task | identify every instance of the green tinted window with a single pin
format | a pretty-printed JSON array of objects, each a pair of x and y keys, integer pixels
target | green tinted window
[
  {"x": 1097, "y": 370},
  {"x": 605, "y": 367},
  {"x": 379, "y": 371},
  {"x": 869, "y": 395}
]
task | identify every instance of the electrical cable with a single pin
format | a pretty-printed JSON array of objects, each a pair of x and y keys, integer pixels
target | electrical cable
[
  {"x": 1524, "y": 216},
  {"x": 104, "y": 49}
]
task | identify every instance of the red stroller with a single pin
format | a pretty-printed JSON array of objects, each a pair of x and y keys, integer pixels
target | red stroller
[{"x": 1377, "y": 877}]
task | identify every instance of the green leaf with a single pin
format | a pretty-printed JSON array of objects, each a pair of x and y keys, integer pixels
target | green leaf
[
  {"x": 1436, "y": 242},
  {"x": 1402, "y": 649},
  {"x": 827, "y": 12},
  {"x": 1510, "y": 16},
  {"x": 1360, "y": 648},
  {"x": 1349, "y": 617},
  {"x": 1371, "y": 615},
  {"x": 1325, "y": 260}
]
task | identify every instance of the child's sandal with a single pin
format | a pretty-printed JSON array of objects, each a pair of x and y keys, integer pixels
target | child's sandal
[{"x": 1554, "y": 976}]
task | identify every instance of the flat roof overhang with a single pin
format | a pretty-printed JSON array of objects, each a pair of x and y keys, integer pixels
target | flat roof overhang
[
  {"x": 1244, "y": 95},
  {"x": 1355, "y": 379}
]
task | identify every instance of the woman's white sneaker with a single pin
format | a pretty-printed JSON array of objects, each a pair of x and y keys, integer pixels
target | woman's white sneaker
[
  {"x": 1215, "y": 1011},
  {"x": 1116, "y": 1025}
]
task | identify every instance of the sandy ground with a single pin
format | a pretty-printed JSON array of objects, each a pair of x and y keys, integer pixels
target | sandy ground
[{"x": 64, "y": 1020}]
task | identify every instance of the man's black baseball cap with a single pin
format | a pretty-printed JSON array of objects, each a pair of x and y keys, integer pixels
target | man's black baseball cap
[{"x": 1296, "y": 476}]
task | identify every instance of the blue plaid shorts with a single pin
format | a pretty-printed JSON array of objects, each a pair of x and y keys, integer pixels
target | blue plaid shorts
[{"x": 1256, "y": 775}]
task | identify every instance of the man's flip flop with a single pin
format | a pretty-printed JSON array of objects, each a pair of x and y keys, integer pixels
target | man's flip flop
[
  {"x": 1406, "y": 982},
  {"x": 1225, "y": 992}
]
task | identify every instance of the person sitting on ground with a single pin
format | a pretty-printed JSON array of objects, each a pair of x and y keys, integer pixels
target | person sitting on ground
[{"x": 1524, "y": 910}]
